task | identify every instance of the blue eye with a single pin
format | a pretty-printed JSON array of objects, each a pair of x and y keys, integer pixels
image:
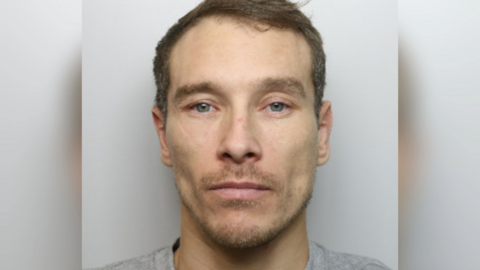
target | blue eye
[
  {"x": 276, "y": 107},
  {"x": 203, "y": 107}
]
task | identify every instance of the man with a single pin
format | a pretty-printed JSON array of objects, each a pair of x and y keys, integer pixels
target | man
[{"x": 240, "y": 119}]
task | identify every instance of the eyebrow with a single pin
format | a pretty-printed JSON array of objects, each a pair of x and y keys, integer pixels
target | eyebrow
[
  {"x": 187, "y": 90},
  {"x": 287, "y": 84}
]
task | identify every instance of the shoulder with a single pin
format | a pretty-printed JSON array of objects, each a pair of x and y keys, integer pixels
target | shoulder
[
  {"x": 157, "y": 260},
  {"x": 324, "y": 259}
]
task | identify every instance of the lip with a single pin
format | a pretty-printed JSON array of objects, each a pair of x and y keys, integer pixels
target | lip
[
  {"x": 239, "y": 190},
  {"x": 239, "y": 185}
]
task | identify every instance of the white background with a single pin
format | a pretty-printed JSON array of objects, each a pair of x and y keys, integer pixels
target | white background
[
  {"x": 441, "y": 208},
  {"x": 130, "y": 205},
  {"x": 40, "y": 140}
]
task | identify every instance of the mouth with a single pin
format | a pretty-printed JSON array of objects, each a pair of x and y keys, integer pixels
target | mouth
[{"x": 239, "y": 190}]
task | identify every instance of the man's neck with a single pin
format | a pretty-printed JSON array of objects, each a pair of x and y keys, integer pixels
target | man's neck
[{"x": 289, "y": 250}]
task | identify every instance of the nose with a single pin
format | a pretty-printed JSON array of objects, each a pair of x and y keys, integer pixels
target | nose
[{"x": 239, "y": 144}]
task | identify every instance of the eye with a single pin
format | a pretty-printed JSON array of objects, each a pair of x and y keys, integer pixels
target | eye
[
  {"x": 202, "y": 107},
  {"x": 276, "y": 107}
]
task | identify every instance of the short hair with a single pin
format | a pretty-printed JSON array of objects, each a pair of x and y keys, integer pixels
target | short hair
[{"x": 281, "y": 14}]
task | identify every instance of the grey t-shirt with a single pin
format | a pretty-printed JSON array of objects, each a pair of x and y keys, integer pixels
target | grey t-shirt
[{"x": 320, "y": 259}]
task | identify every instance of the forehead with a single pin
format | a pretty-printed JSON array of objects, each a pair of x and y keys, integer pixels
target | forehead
[{"x": 232, "y": 53}]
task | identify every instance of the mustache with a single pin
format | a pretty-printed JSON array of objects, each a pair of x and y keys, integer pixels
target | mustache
[{"x": 246, "y": 173}]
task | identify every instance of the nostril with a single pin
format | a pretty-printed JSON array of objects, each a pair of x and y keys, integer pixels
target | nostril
[{"x": 249, "y": 155}]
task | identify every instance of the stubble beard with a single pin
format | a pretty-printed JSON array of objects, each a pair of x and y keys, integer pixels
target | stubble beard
[{"x": 240, "y": 236}]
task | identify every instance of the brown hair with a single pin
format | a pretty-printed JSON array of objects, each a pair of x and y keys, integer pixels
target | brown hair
[{"x": 280, "y": 14}]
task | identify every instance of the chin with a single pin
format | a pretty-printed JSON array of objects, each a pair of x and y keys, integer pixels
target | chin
[
  {"x": 243, "y": 228},
  {"x": 240, "y": 235}
]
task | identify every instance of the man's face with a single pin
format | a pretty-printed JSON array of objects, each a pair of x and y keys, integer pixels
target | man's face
[{"x": 241, "y": 135}]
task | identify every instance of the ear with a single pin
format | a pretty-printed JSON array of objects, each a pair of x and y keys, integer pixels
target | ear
[
  {"x": 159, "y": 123},
  {"x": 326, "y": 121}
]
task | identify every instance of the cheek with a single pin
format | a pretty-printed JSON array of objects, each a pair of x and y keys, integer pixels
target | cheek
[
  {"x": 191, "y": 144},
  {"x": 292, "y": 144},
  {"x": 292, "y": 153}
]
